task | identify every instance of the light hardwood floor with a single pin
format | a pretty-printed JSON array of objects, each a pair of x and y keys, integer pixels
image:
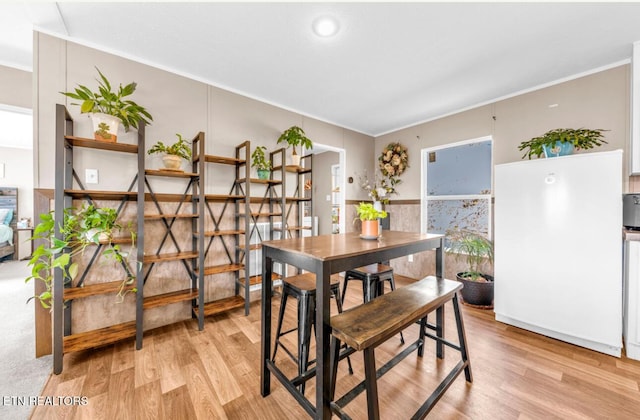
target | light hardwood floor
[{"x": 183, "y": 373}]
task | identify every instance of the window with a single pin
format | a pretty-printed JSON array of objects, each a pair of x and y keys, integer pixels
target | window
[{"x": 457, "y": 187}]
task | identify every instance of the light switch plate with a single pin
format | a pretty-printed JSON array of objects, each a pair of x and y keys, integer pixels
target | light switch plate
[{"x": 91, "y": 176}]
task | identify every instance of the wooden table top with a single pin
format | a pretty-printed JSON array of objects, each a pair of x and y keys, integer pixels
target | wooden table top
[{"x": 330, "y": 247}]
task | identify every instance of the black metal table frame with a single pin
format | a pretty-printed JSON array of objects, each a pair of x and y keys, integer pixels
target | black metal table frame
[{"x": 323, "y": 270}]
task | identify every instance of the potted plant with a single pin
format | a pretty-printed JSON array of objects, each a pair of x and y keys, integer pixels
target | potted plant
[
  {"x": 262, "y": 165},
  {"x": 173, "y": 154},
  {"x": 369, "y": 216},
  {"x": 81, "y": 228},
  {"x": 109, "y": 108},
  {"x": 475, "y": 249},
  {"x": 295, "y": 136},
  {"x": 562, "y": 141}
]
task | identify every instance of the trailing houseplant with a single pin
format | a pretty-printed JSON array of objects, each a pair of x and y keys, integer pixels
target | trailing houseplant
[
  {"x": 562, "y": 141},
  {"x": 475, "y": 249},
  {"x": 369, "y": 216},
  {"x": 105, "y": 103},
  {"x": 260, "y": 162},
  {"x": 81, "y": 228},
  {"x": 295, "y": 136},
  {"x": 173, "y": 153}
]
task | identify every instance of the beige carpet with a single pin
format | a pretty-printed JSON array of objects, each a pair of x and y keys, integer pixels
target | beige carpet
[{"x": 21, "y": 374}]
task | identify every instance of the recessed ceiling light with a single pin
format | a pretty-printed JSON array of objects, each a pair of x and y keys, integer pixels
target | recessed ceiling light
[{"x": 326, "y": 26}]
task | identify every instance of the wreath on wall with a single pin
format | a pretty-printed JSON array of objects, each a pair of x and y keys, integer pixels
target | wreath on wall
[{"x": 393, "y": 160}]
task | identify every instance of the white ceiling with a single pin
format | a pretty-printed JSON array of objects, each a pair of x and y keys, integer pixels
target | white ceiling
[{"x": 390, "y": 66}]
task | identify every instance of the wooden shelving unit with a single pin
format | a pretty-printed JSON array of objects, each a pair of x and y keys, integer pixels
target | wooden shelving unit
[
  {"x": 68, "y": 187},
  {"x": 183, "y": 206}
]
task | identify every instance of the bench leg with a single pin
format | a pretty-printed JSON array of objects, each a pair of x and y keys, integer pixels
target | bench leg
[
  {"x": 423, "y": 330},
  {"x": 462, "y": 339},
  {"x": 371, "y": 384}
]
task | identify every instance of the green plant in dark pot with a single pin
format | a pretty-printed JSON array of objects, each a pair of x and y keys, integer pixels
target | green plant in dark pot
[
  {"x": 474, "y": 249},
  {"x": 295, "y": 136},
  {"x": 109, "y": 108},
  {"x": 260, "y": 162},
  {"x": 174, "y": 153},
  {"x": 562, "y": 141}
]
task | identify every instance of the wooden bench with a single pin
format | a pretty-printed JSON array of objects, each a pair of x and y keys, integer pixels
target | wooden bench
[{"x": 365, "y": 327}]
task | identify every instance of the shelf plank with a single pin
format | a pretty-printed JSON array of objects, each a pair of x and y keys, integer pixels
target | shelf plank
[
  {"x": 298, "y": 199},
  {"x": 261, "y": 181},
  {"x": 173, "y": 256},
  {"x": 169, "y": 298},
  {"x": 118, "y": 240},
  {"x": 211, "y": 233},
  {"x": 257, "y": 280},
  {"x": 94, "y": 289},
  {"x": 221, "y": 305},
  {"x": 101, "y": 145},
  {"x": 222, "y": 197},
  {"x": 173, "y": 174},
  {"x": 261, "y": 214},
  {"x": 169, "y": 197},
  {"x": 224, "y": 268},
  {"x": 293, "y": 228},
  {"x": 102, "y": 195},
  {"x": 223, "y": 159},
  {"x": 170, "y": 216},
  {"x": 100, "y": 337},
  {"x": 297, "y": 169}
]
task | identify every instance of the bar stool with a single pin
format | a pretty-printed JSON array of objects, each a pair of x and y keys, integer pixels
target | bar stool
[
  {"x": 303, "y": 288},
  {"x": 372, "y": 277}
]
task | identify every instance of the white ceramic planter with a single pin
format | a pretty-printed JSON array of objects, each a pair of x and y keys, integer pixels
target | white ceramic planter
[
  {"x": 105, "y": 127},
  {"x": 172, "y": 162}
]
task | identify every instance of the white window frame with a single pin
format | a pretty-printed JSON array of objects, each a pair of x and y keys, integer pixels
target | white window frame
[{"x": 424, "y": 198}]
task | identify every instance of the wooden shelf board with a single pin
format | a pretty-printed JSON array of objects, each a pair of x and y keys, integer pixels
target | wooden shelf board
[
  {"x": 211, "y": 233},
  {"x": 222, "y": 197},
  {"x": 224, "y": 268},
  {"x": 100, "y": 337},
  {"x": 170, "y": 216},
  {"x": 168, "y": 197},
  {"x": 101, "y": 145},
  {"x": 257, "y": 280},
  {"x": 298, "y": 199},
  {"x": 173, "y": 174},
  {"x": 293, "y": 228},
  {"x": 94, "y": 289},
  {"x": 221, "y": 305},
  {"x": 173, "y": 256},
  {"x": 118, "y": 240},
  {"x": 222, "y": 159},
  {"x": 169, "y": 298},
  {"x": 101, "y": 195},
  {"x": 297, "y": 169}
]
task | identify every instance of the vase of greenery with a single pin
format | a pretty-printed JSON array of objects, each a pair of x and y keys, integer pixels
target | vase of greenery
[
  {"x": 80, "y": 228},
  {"x": 109, "y": 109},
  {"x": 476, "y": 250},
  {"x": 294, "y": 136},
  {"x": 173, "y": 154},
  {"x": 369, "y": 216},
  {"x": 260, "y": 162},
  {"x": 561, "y": 142}
]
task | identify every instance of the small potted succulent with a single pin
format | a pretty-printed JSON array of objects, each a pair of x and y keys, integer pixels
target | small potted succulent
[
  {"x": 561, "y": 142},
  {"x": 475, "y": 249},
  {"x": 295, "y": 136},
  {"x": 174, "y": 154},
  {"x": 108, "y": 109},
  {"x": 260, "y": 162},
  {"x": 369, "y": 216}
]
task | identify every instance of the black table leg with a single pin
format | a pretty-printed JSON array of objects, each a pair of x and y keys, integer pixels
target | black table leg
[
  {"x": 323, "y": 344},
  {"x": 265, "y": 375}
]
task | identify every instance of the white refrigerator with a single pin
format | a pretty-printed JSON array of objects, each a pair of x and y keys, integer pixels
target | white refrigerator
[{"x": 558, "y": 248}]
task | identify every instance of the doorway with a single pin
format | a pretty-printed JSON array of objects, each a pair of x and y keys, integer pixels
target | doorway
[{"x": 328, "y": 184}]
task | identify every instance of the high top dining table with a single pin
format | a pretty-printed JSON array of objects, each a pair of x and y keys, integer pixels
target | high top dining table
[{"x": 325, "y": 255}]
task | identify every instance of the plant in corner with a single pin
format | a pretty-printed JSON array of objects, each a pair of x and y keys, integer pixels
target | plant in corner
[
  {"x": 562, "y": 141},
  {"x": 369, "y": 216},
  {"x": 295, "y": 136},
  {"x": 109, "y": 108},
  {"x": 259, "y": 161},
  {"x": 81, "y": 228},
  {"x": 173, "y": 154},
  {"x": 475, "y": 249}
]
